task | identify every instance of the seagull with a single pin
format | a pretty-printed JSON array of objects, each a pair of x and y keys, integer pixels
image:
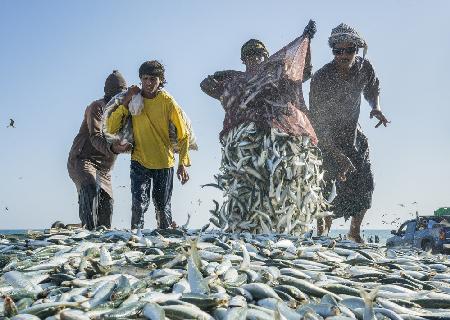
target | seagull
[
  {"x": 199, "y": 202},
  {"x": 415, "y": 202},
  {"x": 6, "y": 208},
  {"x": 401, "y": 205},
  {"x": 11, "y": 123}
]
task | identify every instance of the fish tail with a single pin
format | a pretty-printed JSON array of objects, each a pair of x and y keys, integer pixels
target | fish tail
[{"x": 369, "y": 297}]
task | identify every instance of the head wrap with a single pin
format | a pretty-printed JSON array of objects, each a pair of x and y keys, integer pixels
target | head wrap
[
  {"x": 345, "y": 33},
  {"x": 252, "y": 47},
  {"x": 114, "y": 84}
]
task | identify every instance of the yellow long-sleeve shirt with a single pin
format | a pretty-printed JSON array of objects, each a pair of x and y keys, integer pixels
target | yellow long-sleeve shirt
[{"x": 152, "y": 146}]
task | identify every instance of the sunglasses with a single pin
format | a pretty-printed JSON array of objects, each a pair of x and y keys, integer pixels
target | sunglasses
[{"x": 349, "y": 50}]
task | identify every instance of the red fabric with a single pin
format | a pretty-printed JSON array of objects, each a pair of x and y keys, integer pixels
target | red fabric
[{"x": 273, "y": 97}]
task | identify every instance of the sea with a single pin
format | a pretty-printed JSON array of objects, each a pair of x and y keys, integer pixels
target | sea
[{"x": 366, "y": 233}]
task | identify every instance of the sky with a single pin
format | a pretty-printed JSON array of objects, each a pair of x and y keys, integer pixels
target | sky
[{"x": 56, "y": 55}]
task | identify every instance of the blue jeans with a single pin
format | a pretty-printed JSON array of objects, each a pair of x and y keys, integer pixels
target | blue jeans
[{"x": 141, "y": 182}]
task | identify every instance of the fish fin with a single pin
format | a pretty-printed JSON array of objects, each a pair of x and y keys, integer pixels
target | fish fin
[
  {"x": 369, "y": 297},
  {"x": 194, "y": 253}
]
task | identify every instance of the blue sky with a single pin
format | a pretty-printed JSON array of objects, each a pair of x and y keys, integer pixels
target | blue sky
[{"x": 57, "y": 54}]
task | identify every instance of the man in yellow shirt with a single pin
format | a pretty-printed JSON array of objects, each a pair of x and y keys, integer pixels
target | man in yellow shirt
[{"x": 152, "y": 158}]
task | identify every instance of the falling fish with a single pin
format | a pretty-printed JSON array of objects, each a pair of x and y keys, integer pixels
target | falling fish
[
  {"x": 279, "y": 175},
  {"x": 333, "y": 193}
]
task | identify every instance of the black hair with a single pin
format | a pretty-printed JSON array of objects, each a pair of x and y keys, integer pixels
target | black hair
[{"x": 153, "y": 68}]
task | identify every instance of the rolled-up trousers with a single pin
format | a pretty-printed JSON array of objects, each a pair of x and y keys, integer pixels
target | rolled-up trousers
[{"x": 141, "y": 182}]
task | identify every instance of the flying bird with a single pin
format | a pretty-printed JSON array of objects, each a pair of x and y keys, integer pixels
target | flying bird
[
  {"x": 415, "y": 202},
  {"x": 199, "y": 202},
  {"x": 6, "y": 208},
  {"x": 401, "y": 205},
  {"x": 11, "y": 123}
]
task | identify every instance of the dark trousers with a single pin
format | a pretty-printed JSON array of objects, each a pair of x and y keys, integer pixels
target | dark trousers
[
  {"x": 141, "y": 181},
  {"x": 354, "y": 195},
  {"x": 95, "y": 207}
]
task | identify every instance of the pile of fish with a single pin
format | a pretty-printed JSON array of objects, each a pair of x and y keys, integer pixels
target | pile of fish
[
  {"x": 272, "y": 182},
  {"x": 180, "y": 274}
]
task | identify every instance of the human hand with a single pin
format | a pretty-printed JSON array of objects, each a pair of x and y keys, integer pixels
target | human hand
[
  {"x": 380, "y": 116},
  {"x": 310, "y": 29},
  {"x": 121, "y": 147},
  {"x": 133, "y": 90},
  {"x": 182, "y": 174}
]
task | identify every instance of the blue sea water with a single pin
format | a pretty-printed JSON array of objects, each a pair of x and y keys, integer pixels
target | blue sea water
[{"x": 15, "y": 231}]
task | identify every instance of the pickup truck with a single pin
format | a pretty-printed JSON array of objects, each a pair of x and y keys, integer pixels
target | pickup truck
[{"x": 429, "y": 233}]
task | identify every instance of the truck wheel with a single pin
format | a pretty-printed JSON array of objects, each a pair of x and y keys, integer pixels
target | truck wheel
[{"x": 426, "y": 245}]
